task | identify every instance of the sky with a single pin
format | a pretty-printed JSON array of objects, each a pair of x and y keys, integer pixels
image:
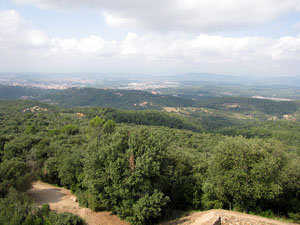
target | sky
[{"x": 159, "y": 37}]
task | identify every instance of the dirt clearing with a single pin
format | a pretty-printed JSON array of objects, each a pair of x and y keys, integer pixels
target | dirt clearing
[
  {"x": 227, "y": 218},
  {"x": 60, "y": 200}
]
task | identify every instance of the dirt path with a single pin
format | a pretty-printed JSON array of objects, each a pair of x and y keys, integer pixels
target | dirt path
[
  {"x": 60, "y": 200},
  {"x": 227, "y": 218}
]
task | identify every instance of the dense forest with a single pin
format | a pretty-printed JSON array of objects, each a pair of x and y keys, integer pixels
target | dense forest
[
  {"x": 140, "y": 117},
  {"x": 144, "y": 166},
  {"x": 125, "y": 99},
  {"x": 16, "y": 92},
  {"x": 78, "y": 97},
  {"x": 246, "y": 105}
]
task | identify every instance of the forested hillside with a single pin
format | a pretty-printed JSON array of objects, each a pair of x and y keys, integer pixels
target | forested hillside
[
  {"x": 140, "y": 117},
  {"x": 125, "y": 99},
  {"x": 143, "y": 173},
  {"x": 142, "y": 100},
  {"x": 16, "y": 92},
  {"x": 247, "y": 105},
  {"x": 129, "y": 99},
  {"x": 78, "y": 97}
]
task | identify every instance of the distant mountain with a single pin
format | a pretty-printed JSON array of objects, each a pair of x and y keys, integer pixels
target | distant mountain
[
  {"x": 115, "y": 80},
  {"x": 281, "y": 81},
  {"x": 209, "y": 78},
  {"x": 205, "y": 77}
]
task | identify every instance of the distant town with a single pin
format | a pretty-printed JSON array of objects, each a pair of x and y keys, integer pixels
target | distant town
[{"x": 44, "y": 82}]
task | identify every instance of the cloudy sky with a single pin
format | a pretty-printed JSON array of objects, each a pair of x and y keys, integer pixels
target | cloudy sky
[{"x": 238, "y": 37}]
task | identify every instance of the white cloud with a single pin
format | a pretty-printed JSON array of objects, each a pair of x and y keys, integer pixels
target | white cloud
[
  {"x": 20, "y": 43},
  {"x": 204, "y": 48},
  {"x": 114, "y": 20},
  {"x": 195, "y": 15},
  {"x": 91, "y": 46},
  {"x": 10, "y": 21},
  {"x": 15, "y": 32},
  {"x": 36, "y": 38},
  {"x": 287, "y": 49}
]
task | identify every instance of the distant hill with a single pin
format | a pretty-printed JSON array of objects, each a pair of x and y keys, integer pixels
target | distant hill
[
  {"x": 78, "y": 97},
  {"x": 16, "y": 92},
  {"x": 141, "y": 100},
  {"x": 246, "y": 105},
  {"x": 141, "y": 117},
  {"x": 125, "y": 99}
]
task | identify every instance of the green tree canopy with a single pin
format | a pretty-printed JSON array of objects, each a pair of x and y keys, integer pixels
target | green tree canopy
[{"x": 243, "y": 171}]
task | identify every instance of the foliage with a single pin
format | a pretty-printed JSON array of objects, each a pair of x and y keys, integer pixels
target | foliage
[
  {"x": 144, "y": 165},
  {"x": 242, "y": 172},
  {"x": 63, "y": 219},
  {"x": 125, "y": 99},
  {"x": 148, "y": 207},
  {"x": 295, "y": 217},
  {"x": 70, "y": 129},
  {"x": 19, "y": 146},
  {"x": 286, "y": 132},
  {"x": 17, "y": 208},
  {"x": 125, "y": 172},
  {"x": 144, "y": 117},
  {"x": 246, "y": 105},
  {"x": 15, "y": 92},
  {"x": 14, "y": 173}
]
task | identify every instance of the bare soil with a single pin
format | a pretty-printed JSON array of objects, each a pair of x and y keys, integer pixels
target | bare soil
[
  {"x": 60, "y": 200},
  {"x": 227, "y": 218}
]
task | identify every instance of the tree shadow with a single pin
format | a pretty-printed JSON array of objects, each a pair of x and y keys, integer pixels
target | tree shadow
[
  {"x": 175, "y": 217},
  {"x": 44, "y": 196}
]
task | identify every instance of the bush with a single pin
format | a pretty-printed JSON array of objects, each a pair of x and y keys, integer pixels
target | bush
[
  {"x": 148, "y": 207},
  {"x": 17, "y": 209},
  {"x": 45, "y": 209},
  {"x": 269, "y": 214},
  {"x": 295, "y": 217},
  {"x": 65, "y": 219}
]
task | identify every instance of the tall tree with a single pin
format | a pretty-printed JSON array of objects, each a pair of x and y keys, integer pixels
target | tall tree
[{"x": 243, "y": 171}]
